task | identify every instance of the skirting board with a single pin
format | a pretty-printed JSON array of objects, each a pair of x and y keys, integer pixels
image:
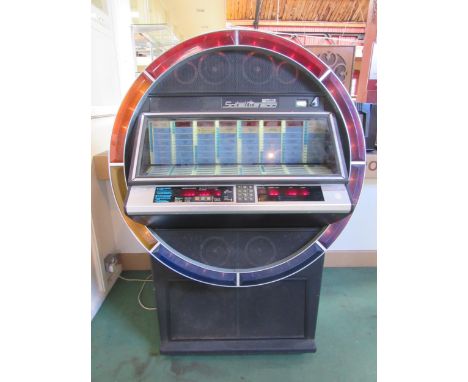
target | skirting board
[{"x": 343, "y": 259}]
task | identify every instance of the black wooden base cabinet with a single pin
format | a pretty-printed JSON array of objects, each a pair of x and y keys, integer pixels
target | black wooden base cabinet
[{"x": 200, "y": 318}]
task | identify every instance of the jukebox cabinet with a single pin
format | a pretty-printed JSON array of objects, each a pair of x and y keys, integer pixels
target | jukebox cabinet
[{"x": 236, "y": 160}]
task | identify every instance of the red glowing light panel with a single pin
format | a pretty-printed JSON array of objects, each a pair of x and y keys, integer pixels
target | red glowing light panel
[
  {"x": 188, "y": 193},
  {"x": 273, "y": 192},
  {"x": 196, "y": 192},
  {"x": 356, "y": 179},
  {"x": 288, "y": 193}
]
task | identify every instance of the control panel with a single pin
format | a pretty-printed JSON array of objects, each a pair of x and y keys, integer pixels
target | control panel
[
  {"x": 244, "y": 193},
  {"x": 193, "y": 194},
  {"x": 149, "y": 200}
]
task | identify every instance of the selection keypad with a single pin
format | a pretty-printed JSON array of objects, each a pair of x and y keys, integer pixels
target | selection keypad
[{"x": 245, "y": 193}]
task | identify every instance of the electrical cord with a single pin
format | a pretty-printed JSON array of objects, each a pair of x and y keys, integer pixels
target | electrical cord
[
  {"x": 140, "y": 280},
  {"x": 143, "y": 284}
]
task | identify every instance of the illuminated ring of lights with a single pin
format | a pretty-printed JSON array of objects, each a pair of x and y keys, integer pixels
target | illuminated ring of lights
[{"x": 231, "y": 38}]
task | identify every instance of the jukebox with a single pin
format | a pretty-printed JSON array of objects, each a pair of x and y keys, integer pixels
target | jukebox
[{"x": 236, "y": 160}]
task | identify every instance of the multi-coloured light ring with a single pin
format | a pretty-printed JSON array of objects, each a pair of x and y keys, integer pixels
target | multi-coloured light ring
[
  {"x": 237, "y": 278},
  {"x": 253, "y": 39}
]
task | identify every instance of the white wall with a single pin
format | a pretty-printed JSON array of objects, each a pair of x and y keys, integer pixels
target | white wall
[
  {"x": 361, "y": 231},
  {"x": 112, "y": 73},
  {"x": 105, "y": 84}
]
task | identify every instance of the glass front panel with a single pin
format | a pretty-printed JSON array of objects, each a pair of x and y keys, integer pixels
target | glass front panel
[{"x": 238, "y": 147}]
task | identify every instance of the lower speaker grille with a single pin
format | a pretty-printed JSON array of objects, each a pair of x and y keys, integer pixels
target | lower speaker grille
[
  {"x": 202, "y": 312},
  {"x": 241, "y": 249}
]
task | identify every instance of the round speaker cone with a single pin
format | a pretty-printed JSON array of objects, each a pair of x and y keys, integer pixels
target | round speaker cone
[
  {"x": 259, "y": 251},
  {"x": 214, "y": 68},
  {"x": 286, "y": 73},
  {"x": 258, "y": 68},
  {"x": 215, "y": 251},
  {"x": 186, "y": 74}
]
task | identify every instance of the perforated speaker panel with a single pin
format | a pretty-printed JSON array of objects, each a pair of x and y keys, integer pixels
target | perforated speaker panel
[
  {"x": 237, "y": 249},
  {"x": 235, "y": 71},
  {"x": 200, "y": 311}
]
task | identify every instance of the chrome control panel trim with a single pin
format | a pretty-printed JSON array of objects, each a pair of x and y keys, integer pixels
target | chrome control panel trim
[{"x": 140, "y": 202}]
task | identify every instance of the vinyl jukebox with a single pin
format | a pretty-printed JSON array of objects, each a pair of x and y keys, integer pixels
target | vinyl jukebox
[{"x": 236, "y": 159}]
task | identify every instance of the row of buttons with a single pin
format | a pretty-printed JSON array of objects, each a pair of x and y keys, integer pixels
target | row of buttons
[{"x": 245, "y": 194}]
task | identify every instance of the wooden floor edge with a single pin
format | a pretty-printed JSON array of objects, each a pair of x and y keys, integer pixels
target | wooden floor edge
[{"x": 333, "y": 259}]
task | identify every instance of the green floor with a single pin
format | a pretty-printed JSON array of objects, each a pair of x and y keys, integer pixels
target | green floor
[{"x": 125, "y": 340}]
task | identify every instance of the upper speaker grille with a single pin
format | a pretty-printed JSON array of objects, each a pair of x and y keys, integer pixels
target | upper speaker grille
[{"x": 235, "y": 71}]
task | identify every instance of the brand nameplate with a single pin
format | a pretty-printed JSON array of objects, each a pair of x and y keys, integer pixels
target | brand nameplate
[{"x": 249, "y": 103}]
